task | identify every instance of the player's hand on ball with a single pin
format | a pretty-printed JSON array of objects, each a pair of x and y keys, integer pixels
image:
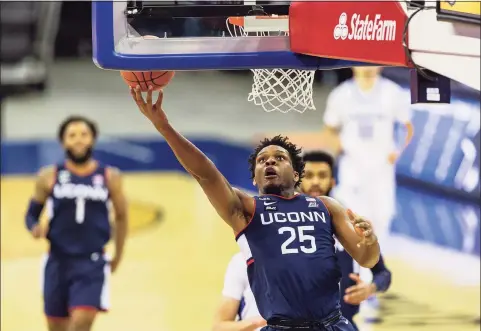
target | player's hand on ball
[
  {"x": 153, "y": 112},
  {"x": 38, "y": 231},
  {"x": 363, "y": 228},
  {"x": 359, "y": 292}
]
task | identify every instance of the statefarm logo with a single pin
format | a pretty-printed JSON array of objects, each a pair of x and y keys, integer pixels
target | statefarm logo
[{"x": 365, "y": 28}]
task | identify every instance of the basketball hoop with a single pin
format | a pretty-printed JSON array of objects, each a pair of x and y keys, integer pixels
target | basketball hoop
[{"x": 274, "y": 89}]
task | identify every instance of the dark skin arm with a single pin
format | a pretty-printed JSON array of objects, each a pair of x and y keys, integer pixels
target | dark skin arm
[
  {"x": 43, "y": 186},
  {"x": 233, "y": 206},
  {"x": 354, "y": 233},
  {"x": 119, "y": 203}
]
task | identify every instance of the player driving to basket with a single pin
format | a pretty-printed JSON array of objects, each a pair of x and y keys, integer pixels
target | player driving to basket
[{"x": 286, "y": 238}]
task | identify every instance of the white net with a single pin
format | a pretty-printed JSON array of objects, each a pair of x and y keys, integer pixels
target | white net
[{"x": 280, "y": 90}]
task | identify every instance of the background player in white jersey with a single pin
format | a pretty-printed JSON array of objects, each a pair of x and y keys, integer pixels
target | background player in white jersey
[
  {"x": 359, "y": 122},
  {"x": 237, "y": 310}
]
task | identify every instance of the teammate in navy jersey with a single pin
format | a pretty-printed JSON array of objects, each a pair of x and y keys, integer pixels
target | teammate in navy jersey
[
  {"x": 77, "y": 194},
  {"x": 286, "y": 238},
  {"x": 319, "y": 180}
]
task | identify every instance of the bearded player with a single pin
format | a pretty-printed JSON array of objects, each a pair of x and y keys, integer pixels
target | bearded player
[
  {"x": 77, "y": 194},
  {"x": 286, "y": 238},
  {"x": 238, "y": 311}
]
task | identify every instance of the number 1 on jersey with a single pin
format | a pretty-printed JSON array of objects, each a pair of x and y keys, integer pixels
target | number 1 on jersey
[
  {"x": 301, "y": 236},
  {"x": 79, "y": 210}
]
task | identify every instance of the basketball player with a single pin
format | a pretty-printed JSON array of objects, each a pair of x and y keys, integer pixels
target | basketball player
[
  {"x": 286, "y": 238},
  {"x": 76, "y": 194},
  {"x": 238, "y": 310},
  {"x": 359, "y": 123}
]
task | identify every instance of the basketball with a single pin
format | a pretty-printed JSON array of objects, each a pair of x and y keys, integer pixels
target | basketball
[{"x": 158, "y": 79}]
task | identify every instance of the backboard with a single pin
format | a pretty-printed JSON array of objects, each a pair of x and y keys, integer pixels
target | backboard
[{"x": 193, "y": 36}]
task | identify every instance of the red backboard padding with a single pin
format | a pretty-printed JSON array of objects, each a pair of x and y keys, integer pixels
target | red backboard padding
[{"x": 351, "y": 30}]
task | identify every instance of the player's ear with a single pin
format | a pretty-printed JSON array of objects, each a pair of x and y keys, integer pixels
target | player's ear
[
  {"x": 254, "y": 182},
  {"x": 296, "y": 176},
  {"x": 333, "y": 182}
]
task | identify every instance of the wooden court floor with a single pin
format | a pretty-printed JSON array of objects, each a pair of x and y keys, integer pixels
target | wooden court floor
[{"x": 172, "y": 274}]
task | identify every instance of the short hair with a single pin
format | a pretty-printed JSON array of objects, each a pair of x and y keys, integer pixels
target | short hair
[
  {"x": 319, "y": 156},
  {"x": 72, "y": 119},
  {"x": 294, "y": 154}
]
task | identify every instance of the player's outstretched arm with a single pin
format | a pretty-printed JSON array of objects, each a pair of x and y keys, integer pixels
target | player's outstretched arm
[
  {"x": 354, "y": 233},
  {"x": 43, "y": 185},
  {"x": 232, "y": 205}
]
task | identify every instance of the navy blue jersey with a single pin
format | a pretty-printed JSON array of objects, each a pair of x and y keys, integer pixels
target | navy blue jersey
[
  {"x": 78, "y": 209},
  {"x": 292, "y": 265},
  {"x": 348, "y": 265}
]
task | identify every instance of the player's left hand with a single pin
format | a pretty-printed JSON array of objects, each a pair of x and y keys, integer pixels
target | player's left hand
[
  {"x": 38, "y": 231},
  {"x": 359, "y": 292},
  {"x": 392, "y": 157},
  {"x": 363, "y": 228},
  {"x": 114, "y": 263}
]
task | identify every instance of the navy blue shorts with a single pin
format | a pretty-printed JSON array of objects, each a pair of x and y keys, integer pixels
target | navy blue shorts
[
  {"x": 349, "y": 311},
  {"x": 342, "y": 324},
  {"x": 75, "y": 283}
]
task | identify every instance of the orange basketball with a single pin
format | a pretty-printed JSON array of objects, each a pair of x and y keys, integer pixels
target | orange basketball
[{"x": 158, "y": 79}]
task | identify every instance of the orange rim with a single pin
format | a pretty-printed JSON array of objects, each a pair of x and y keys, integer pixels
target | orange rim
[{"x": 239, "y": 20}]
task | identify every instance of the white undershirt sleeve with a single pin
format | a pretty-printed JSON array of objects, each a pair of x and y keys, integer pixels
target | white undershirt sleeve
[{"x": 234, "y": 279}]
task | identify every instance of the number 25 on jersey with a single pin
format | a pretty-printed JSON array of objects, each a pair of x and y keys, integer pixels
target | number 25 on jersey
[{"x": 307, "y": 242}]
